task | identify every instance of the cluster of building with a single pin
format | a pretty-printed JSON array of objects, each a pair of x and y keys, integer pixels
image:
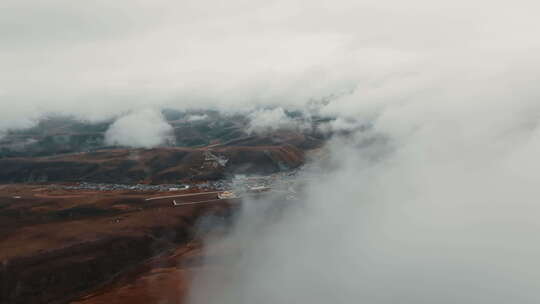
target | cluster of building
[
  {"x": 232, "y": 188},
  {"x": 116, "y": 187},
  {"x": 214, "y": 185},
  {"x": 251, "y": 183},
  {"x": 281, "y": 180},
  {"x": 213, "y": 161}
]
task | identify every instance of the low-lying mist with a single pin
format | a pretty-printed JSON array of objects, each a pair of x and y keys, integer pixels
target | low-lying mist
[
  {"x": 142, "y": 129},
  {"x": 443, "y": 211},
  {"x": 435, "y": 200}
]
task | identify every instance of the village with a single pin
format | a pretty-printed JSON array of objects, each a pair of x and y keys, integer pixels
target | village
[{"x": 231, "y": 188}]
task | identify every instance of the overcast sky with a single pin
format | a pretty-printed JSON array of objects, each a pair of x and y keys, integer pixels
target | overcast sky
[{"x": 101, "y": 58}]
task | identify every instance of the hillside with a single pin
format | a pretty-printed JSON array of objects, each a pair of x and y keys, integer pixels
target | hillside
[
  {"x": 159, "y": 165},
  {"x": 57, "y": 244}
]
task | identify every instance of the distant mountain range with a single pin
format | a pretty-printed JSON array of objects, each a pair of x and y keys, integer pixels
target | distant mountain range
[
  {"x": 60, "y": 135},
  {"x": 62, "y": 149}
]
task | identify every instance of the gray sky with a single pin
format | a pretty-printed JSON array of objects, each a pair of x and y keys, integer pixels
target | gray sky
[{"x": 100, "y": 58}]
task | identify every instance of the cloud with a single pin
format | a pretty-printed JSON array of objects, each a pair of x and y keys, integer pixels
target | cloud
[
  {"x": 100, "y": 59},
  {"x": 444, "y": 210},
  {"x": 436, "y": 201},
  {"x": 127, "y": 55},
  {"x": 141, "y": 129}
]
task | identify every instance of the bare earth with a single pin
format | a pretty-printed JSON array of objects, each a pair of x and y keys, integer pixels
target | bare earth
[{"x": 62, "y": 246}]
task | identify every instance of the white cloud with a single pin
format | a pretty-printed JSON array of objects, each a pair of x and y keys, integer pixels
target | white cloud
[
  {"x": 443, "y": 210},
  {"x": 101, "y": 58},
  {"x": 141, "y": 129}
]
